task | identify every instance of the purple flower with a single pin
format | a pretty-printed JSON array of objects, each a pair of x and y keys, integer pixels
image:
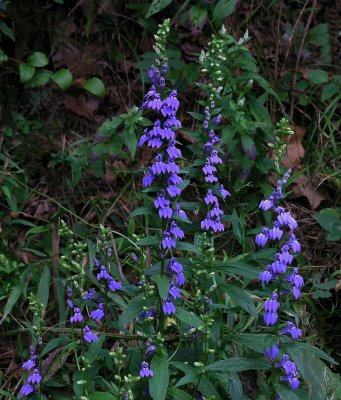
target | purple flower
[
  {"x": 272, "y": 305},
  {"x": 180, "y": 279},
  {"x": 35, "y": 378},
  {"x": 31, "y": 363},
  {"x": 174, "y": 292},
  {"x": 216, "y": 211},
  {"x": 209, "y": 169},
  {"x": 291, "y": 330},
  {"x": 294, "y": 244},
  {"x": 278, "y": 267},
  {"x": 288, "y": 365},
  {"x": 265, "y": 205},
  {"x": 172, "y": 151},
  {"x": 148, "y": 179},
  {"x": 292, "y": 379},
  {"x": 168, "y": 242},
  {"x": 176, "y": 231},
  {"x": 174, "y": 266},
  {"x": 89, "y": 336},
  {"x": 214, "y": 159},
  {"x": 168, "y": 307},
  {"x": 98, "y": 313},
  {"x": 27, "y": 389},
  {"x": 270, "y": 318},
  {"x": 265, "y": 276},
  {"x": 210, "y": 197},
  {"x": 285, "y": 257},
  {"x": 217, "y": 226},
  {"x": 145, "y": 371},
  {"x": 261, "y": 239},
  {"x": 159, "y": 167},
  {"x": 114, "y": 285},
  {"x": 224, "y": 193},
  {"x": 77, "y": 317},
  {"x": 161, "y": 201},
  {"x": 150, "y": 350},
  {"x": 103, "y": 274},
  {"x": 275, "y": 233},
  {"x": 180, "y": 212},
  {"x": 211, "y": 178},
  {"x": 272, "y": 352}
]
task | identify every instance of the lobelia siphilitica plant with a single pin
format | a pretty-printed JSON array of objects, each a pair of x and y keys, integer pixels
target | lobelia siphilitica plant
[
  {"x": 164, "y": 172},
  {"x": 188, "y": 329}
]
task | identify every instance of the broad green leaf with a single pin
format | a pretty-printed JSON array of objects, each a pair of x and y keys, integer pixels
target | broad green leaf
[
  {"x": 26, "y": 72},
  {"x": 241, "y": 298},
  {"x": 63, "y": 78},
  {"x": 317, "y": 76},
  {"x": 327, "y": 217},
  {"x": 313, "y": 371},
  {"x": 149, "y": 241},
  {"x": 287, "y": 393},
  {"x": 198, "y": 15},
  {"x": 12, "y": 300},
  {"x": 206, "y": 387},
  {"x": 237, "y": 268},
  {"x": 157, "y": 6},
  {"x": 311, "y": 349},
  {"x": 178, "y": 394},
  {"x": 237, "y": 364},
  {"x": 44, "y": 287},
  {"x": 94, "y": 349},
  {"x": 101, "y": 396},
  {"x": 94, "y": 86},
  {"x": 133, "y": 308},
  {"x": 224, "y": 8},
  {"x": 158, "y": 383},
  {"x": 188, "y": 247},
  {"x": 40, "y": 78},
  {"x": 329, "y": 91},
  {"x": 189, "y": 318},
  {"x": 256, "y": 342},
  {"x": 37, "y": 60},
  {"x": 54, "y": 343},
  {"x": 162, "y": 284}
]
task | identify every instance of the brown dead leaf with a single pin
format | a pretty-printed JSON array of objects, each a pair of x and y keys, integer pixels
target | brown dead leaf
[
  {"x": 83, "y": 106},
  {"x": 303, "y": 187},
  {"x": 295, "y": 150}
]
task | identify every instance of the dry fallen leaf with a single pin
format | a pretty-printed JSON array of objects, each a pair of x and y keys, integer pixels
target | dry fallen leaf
[
  {"x": 304, "y": 187},
  {"x": 82, "y": 106},
  {"x": 295, "y": 150}
]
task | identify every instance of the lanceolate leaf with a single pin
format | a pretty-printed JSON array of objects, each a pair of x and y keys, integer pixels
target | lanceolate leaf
[
  {"x": 133, "y": 309},
  {"x": 44, "y": 287},
  {"x": 158, "y": 384},
  {"x": 242, "y": 299},
  {"x": 237, "y": 364}
]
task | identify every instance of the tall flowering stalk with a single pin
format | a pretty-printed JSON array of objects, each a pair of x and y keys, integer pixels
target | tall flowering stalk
[
  {"x": 288, "y": 282},
  {"x": 164, "y": 171},
  {"x": 211, "y": 61}
]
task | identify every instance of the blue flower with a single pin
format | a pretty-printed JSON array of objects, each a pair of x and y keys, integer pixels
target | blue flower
[
  {"x": 98, "y": 313},
  {"x": 27, "y": 389},
  {"x": 88, "y": 335},
  {"x": 291, "y": 330},
  {"x": 168, "y": 307},
  {"x": 35, "y": 378},
  {"x": 77, "y": 317},
  {"x": 145, "y": 370},
  {"x": 272, "y": 352}
]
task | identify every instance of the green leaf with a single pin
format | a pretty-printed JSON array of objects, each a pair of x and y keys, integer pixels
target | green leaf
[
  {"x": 37, "y": 60},
  {"x": 178, "y": 394},
  {"x": 63, "y": 78},
  {"x": 40, "y": 78},
  {"x": 12, "y": 301},
  {"x": 26, "y": 72},
  {"x": 158, "y": 383},
  {"x": 327, "y": 217},
  {"x": 237, "y": 268},
  {"x": 9, "y": 395},
  {"x": 162, "y": 284},
  {"x": 329, "y": 91},
  {"x": 237, "y": 364},
  {"x": 198, "y": 15},
  {"x": 188, "y": 247},
  {"x": 149, "y": 241},
  {"x": 224, "y": 8},
  {"x": 317, "y": 76},
  {"x": 286, "y": 393},
  {"x": 101, "y": 396},
  {"x": 256, "y": 342},
  {"x": 237, "y": 228},
  {"x": 44, "y": 287},
  {"x": 6, "y": 30},
  {"x": 133, "y": 308},
  {"x": 94, "y": 86},
  {"x": 157, "y": 6},
  {"x": 94, "y": 349},
  {"x": 241, "y": 298},
  {"x": 54, "y": 343},
  {"x": 189, "y": 318}
]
